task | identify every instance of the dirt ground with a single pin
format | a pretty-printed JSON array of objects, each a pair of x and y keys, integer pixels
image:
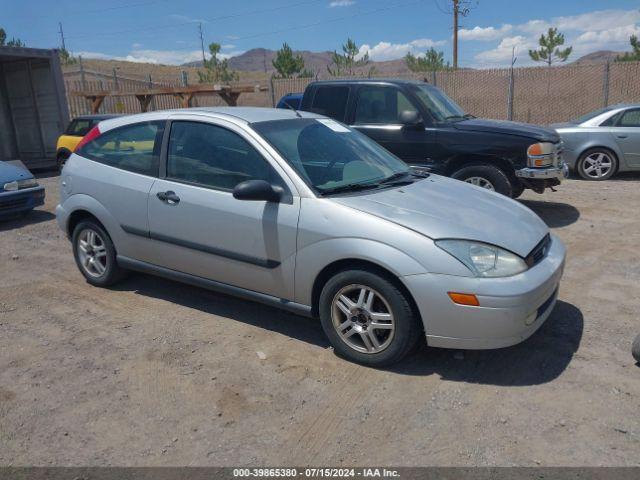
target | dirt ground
[{"x": 157, "y": 373}]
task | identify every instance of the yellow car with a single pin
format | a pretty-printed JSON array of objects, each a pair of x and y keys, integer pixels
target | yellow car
[{"x": 78, "y": 128}]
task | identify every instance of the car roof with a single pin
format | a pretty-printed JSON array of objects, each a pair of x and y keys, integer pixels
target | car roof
[
  {"x": 392, "y": 81},
  {"x": 242, "y": 114},
  {"x": 101, "y": 116}
]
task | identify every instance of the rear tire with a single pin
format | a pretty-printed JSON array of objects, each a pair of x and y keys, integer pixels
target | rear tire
[
  {"x": 376, "y": 328},
  {"x": 95, "y": 254},
  {"x": 486, "y": 176},
  {"x": 597, "y": 164}
]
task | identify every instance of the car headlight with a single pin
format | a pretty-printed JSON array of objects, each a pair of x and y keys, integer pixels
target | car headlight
[
  {"x": 540, "y": 154},
  {"x": 482, "y": 259},
  {"x": 19, "y": 184}
]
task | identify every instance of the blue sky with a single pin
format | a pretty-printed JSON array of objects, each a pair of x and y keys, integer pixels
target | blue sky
[{"x": 166, "y": 31}]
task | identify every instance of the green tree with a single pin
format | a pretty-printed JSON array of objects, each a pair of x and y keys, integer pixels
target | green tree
[
  {"x": 287, "y": 64},
  {"x": 432, "y": 61},
  {"x": 634, "y": 54},
  {"x": 550, "y": 51},
  {"x": 66, "y": 58},
  {"x": 215, "y": 69},
  {"x": 345, "y": 63},
  {"x": 14, "y": 42}
]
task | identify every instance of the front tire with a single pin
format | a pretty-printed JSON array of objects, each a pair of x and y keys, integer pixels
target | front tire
[
  {"x": 486, "y": 176},
  {"x": 367, "y": 318},
  {"x": 95, "y": 254},
  {"x": 635, "y": 349},
  {"x": 597, "y": 164}
]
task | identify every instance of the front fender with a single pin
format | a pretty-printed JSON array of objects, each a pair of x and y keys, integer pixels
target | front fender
[{"x": 313, "y": 258}]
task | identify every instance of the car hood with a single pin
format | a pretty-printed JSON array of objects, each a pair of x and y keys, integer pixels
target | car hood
[
  {"x": 440, "y": 207},
  {"x": 540, "y": 134},
  {"x": 9, "y": 173}
]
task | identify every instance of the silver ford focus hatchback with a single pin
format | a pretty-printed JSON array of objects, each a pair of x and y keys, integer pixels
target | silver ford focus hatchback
[{"x": 298, "y": 211}]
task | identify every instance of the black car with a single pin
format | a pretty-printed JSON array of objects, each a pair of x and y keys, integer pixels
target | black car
[{"x": 421, "y": 125}]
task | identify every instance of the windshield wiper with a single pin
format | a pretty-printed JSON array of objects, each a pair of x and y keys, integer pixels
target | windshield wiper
[
  {"x": 398, "y": 178},
  {"x": 455, "y": 117},
  {"x": 349, "y": 187},
  {"x": 468, "y": 116}
]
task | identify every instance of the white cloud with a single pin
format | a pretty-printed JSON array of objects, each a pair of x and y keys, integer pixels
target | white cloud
[
  {"x": 502, "y": 53},
  {"x": 484, "y": 34},
  {"x": 167, "y": 57},
  {"x": 587, "y": 32},
  {"x": 186, "y": 19},
  {"x": 341, "y": 3},
  {"x": 390, "y": 51}
]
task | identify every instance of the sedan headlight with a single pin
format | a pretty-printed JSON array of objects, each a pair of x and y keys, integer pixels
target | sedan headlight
[
  {"x": 482, "y": 259},
  {"x": 540, "y": 154},
  {"x": 20, "y": 184}
]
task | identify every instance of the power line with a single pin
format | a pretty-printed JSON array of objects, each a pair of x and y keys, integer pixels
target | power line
[{"x": 75, "y": 13}]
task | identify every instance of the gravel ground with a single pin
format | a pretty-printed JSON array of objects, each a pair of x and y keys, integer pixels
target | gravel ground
[{"x": 157, "y": 373}]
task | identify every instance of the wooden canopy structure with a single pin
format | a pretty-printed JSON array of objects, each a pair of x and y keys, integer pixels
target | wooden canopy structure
[{"x": 228, "y": 93}]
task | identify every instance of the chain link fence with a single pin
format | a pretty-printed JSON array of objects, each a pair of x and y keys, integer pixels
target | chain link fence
[{"x": 534, "y": 94}]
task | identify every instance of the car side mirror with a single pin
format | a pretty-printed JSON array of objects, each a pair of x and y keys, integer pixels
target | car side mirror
[
  {"x": 411, "y": 118},
  {"x": 258, "y": 190}
]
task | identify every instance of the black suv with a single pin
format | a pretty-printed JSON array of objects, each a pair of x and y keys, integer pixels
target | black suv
[{"x": 421, "y": 125}]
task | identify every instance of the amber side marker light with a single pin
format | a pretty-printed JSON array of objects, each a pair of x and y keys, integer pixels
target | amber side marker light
[{"x": 464, "y": 299}]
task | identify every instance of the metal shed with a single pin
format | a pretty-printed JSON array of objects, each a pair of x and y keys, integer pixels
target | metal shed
[{"x": 33, "y": 105}]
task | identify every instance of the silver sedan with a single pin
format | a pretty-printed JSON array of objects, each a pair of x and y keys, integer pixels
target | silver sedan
[{"x": 603, "y": 142}]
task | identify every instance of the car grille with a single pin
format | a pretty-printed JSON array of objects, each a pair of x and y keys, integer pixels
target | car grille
[
  {"x": 539, "y": 251},
  {"x": 10, "y": 204}
]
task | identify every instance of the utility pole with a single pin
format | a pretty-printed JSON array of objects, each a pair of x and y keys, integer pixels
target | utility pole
[
  {"x": 456, "y": 11},
  {"x": 62, "y": 36},
  {"x": 201, "y": 43}
]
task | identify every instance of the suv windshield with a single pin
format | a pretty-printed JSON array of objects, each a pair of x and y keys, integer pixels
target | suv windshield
[
  {"x": 330, "y": 157},
  {"x": 439, "y": 105}
]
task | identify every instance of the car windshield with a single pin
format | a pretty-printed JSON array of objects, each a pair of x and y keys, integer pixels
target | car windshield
[
  {"x": 330, "y": 157},
  {"x": 590, "y": 115},
  {"x": 439, "y": 105}
]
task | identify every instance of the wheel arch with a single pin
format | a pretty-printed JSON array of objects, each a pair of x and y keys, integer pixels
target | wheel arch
[
  {"x": 461, "y": 161},
  {"x": 345, "y": 264}
]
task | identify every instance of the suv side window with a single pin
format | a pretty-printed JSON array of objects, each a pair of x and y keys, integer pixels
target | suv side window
[
  {"x": 214, "y": 157},
  {"x": 631, "y": 118},
  {"x": 135, "y": 148},
  {"x": 380, "y": 105},
  {"x": 331, "y": 101}
]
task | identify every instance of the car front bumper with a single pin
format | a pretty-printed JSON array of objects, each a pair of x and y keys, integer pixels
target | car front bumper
[
  {"x": 511, "y": 308},
  {"x": 19, "y": 201},
  {"x": 558, "y": 173}
]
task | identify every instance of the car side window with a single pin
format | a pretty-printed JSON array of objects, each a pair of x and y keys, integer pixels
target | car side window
[
  {"x": 380, "y": 105},
  {"x": 214, "y": 157},
  {"x": 78, "y": 128},
  {"x": 331, "y": 101},
  {"x": 135, "y": 148},
  {"x": 631, "y": 118}
]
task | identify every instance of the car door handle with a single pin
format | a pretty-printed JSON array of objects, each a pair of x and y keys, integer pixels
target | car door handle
[
  {"x": 169, "y": 197},
  {"x": 622, "y": 136}
]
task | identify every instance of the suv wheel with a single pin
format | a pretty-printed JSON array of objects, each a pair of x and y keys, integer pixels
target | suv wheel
[
  {"x": 486, "y": 176},
  {"x": 597, "y": 164},
  {"x": 635, "y": 349},
  {"x": 95, "y": 255},
  {"x": 367, "y": 318}
]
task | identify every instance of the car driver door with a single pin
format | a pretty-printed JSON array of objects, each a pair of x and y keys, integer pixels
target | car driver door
[
  {"x": 627, "y": 135},
  {"x": 198, "y": 227}
]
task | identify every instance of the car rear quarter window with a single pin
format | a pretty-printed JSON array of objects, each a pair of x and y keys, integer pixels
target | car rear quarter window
[
  {"x": 331, "y": 101},
  {"x": 135, "y": 147},
  {"x": 79, "y": 128},
  {"x": 215, "y": 157}
]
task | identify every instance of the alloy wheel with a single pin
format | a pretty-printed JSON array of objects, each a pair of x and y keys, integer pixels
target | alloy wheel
[
  {"x": 481, "y": 182},
  {"x": 92, "y": 253},
  {"x": 363, "y": 318},
  {"x": 597, "y": 165}
]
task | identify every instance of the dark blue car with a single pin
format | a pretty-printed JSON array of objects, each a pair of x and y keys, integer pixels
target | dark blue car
[
  {"x": 290, "y": 100},
  {"x": 19, "y": 191}
]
